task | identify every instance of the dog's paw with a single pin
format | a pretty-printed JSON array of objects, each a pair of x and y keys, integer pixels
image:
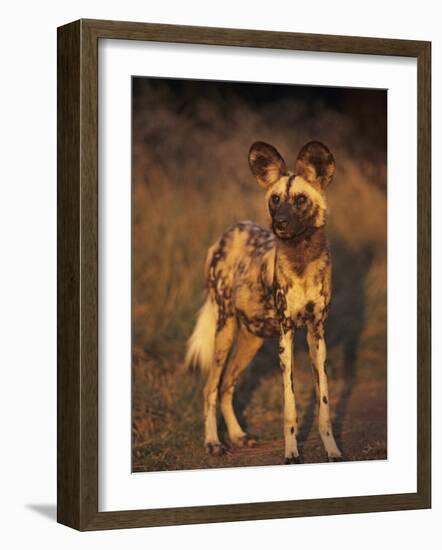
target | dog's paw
[
  {"x": 335, "y": 456},
  {"x": 292, "y": 459},
  {"x": 215, "y": 448},
  {"x": 243, "y": 441},
  {"x": 339, "y": 458}
]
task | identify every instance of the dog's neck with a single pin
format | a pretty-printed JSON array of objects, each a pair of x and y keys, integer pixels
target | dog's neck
[{"x": 294, "y": 255}]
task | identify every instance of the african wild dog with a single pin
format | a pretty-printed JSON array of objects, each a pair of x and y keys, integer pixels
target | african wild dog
[{"x": 265, "y": 283}]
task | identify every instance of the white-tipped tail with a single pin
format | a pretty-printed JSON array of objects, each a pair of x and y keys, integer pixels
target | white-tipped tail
[{"x": 200, "y": 346}]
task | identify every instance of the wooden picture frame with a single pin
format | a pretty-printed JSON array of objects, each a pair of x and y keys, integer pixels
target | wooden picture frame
[{"x": 77, "y": 461}]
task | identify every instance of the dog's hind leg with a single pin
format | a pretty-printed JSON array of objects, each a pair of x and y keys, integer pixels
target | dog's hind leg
[
  {"x": 317, "y": 349},
  {"x": 223, "y": 342},
  {"x": 246, "y": 347}
]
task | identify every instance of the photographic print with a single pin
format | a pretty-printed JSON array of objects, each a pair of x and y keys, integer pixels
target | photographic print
[{"x": 259, "y": 274}]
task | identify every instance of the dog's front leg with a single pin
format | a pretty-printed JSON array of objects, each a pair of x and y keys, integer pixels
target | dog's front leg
[
  {"x": 290, "y": 417},
  {"x": 318, "y": 355}
]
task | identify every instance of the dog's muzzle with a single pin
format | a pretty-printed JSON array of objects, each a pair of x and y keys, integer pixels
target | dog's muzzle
[{"x": 282, "y": 221}]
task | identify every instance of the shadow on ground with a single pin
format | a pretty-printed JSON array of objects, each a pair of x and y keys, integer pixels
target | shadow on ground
[{"x": 48, "y": 511}]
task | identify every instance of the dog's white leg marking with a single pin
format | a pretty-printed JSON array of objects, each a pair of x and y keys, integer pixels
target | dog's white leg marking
[
  {"x": 246, "y": 347},
  {"x": 290, "y": 417},
  {"x": 318, "y": 355},
  {"x": 223, "y": 342}
]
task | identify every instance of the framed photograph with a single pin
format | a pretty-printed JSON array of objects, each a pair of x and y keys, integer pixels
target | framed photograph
[{"x": 243, "y": 274}]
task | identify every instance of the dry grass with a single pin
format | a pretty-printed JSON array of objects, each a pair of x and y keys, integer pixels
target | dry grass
[{"x": 190, "y": 182}]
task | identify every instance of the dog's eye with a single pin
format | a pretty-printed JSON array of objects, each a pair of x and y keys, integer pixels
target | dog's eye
[
  {"x": 300, "y": 200},
  {"x": 275, "y": 199}
]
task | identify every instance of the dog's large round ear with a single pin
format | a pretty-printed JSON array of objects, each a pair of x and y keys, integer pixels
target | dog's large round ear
[
  {"x": 316, "y": 164},
  {"x": 266, "y": 164}
]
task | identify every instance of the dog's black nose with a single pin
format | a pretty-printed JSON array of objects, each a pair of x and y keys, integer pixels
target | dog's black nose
[{"x": 281, "y": 224}]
